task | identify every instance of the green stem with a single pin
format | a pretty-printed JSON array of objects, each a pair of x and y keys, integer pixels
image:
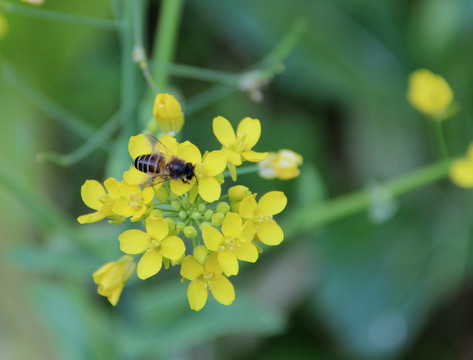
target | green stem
[
  {"x": 441, "y": 142},
  {"x": 165, "y": 41},
  {"x": 309, "y": 218},
  {"x": 98, "y": 138},
  {"x": 242, "y": 171},
  {"x": 56, "y": 16},
  {"x": 193, "y": 72}
]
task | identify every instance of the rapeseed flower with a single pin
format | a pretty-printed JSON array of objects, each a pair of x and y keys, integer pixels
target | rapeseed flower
[
  {"x": 133, "y": 202},
  {"x": 283, "y": 165},
  {"x": 112, "y": 276},
  {"x": 154, "y": 244},
  {"x": 430, "y": 94},
  {"x": 95, "y": 197},
  {"x": 168, "y": 113},
  {"x": 461, "y": 171},
  {"x": 204, "y": 278}
]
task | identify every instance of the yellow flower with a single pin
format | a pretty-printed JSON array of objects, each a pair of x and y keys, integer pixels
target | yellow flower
[
  {"x": 461, "y": 171},
  {"x": 133, "y": 202},
  {"x": 283, "y": 165},
  {"x": 167, "y": 112},
  {"x": 3, "y": 25},
  {"x": 430, "y": 94},
  {"x": 155, "y": 245},
  {"x": 94, "y": 196},
  {"x": 238, "y": 146},
  {"x": 112, "y": 276},
  {"x": 261, "y": 215},
  {"x": 235, "y": 243},
  {"x": 204, "y": 278}
]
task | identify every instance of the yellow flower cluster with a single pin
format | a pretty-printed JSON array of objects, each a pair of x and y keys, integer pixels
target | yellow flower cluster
[{"x": 176, "y": 192}]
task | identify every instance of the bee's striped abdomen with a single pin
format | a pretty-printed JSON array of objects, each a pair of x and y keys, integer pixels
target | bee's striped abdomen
[{"x": 150, "y": 163}]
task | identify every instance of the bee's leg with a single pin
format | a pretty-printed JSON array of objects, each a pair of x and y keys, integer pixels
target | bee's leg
[{"x": 185, "y": 181}]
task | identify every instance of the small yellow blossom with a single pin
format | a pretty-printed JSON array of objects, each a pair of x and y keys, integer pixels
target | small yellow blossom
[
  {"x": 168, "y": 113},
  {"x": 461, "y": 171},
  {"x": 3, "y": 26},
  {"x": 204, "y": 278},
  {"x": 261, "y": 215},
  {"x": 430, "y": 94},
  {"x": 112, "y": 276},
  {"x": 95, "y": 197},
  {"x": 235, "y": 243},
  {"x": 34, "y": 2},
  {"x": 238, "y": 146},
  {"x": 283, "y": 165},
  {"x": 133, "y": 202},
  {"x": 155, "y": 245}
]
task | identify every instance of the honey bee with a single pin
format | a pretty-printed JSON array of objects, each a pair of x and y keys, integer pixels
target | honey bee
[{"x": 162, "y": 164}]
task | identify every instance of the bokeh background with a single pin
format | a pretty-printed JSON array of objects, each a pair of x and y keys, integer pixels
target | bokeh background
[{"x": 395, "y": 285}]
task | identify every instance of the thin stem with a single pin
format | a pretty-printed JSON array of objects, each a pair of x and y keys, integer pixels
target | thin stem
[
  {"x": 99, "y": 137},
  {"x": 50, "y": 15},
  {"x": 441, "y": 142},
  {"x": 165, "y": 41},
  {"x": 242, "y": 171},
  {"x": 312, "y": 217},
  {"x": 193, "y": 72}
]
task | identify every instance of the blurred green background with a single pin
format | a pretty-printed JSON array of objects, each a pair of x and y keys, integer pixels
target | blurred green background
[{"x": 395, "y": 285}]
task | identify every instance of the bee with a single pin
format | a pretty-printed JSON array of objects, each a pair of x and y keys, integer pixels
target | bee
[{"x": 162, "y": 164}]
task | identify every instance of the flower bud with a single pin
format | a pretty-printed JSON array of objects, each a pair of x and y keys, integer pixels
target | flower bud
[
  {"x": 200, "y": 254},
  {"x": 217, "y": 219},
  {"x": 190, "y": 232},
  {"x": 167, "y": 112},
  {"x": 223, "y": 207},
  {"x": 180, "y": 226},
  {"x": 161, "y": 194},
  {"x": 238, "y": 192},
  {"x": 176, "y": 205},
  {"x": 171, "y": 224},
  {"x": 283, "y": 165},
  {"x": 208, "y": 214},
  {"x": 156, "y": 214}
]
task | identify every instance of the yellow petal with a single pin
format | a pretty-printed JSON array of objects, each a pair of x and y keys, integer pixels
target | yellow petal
[
  {"x": 173, "y": 248},
  {"x": 247, "y": 232},
  {"x": 228, "y": 262},
  {"x": 189, "y": 152},
  {"x": 190, "y": 268},
  {"x": 254, "y": 156},
  {"x": 248, "y": 207},
  {"x": 112, "y": 186},
  {"x": 251, "y": 130},
  {"x": 91, "y": 192},
  {"x": 209, "y": 189},
  {"x": 223, "y": 291},
  {"x": 212, "y": 238},
  {"x": 139, "y": 145},
  {"x": 461, "y": 173},
  {"x": 115, "y": 295},
  {"x": 223, "y": 131},
  {"x": 100, "y": 272},
  {"x": 149, "y": 265},
  {"x": 135, "y": 177},
  {"x": 179, "y": 187},
  {"x": 232, "y": 225},
  {"x": 122, "y": 208},
  {"x": 148, "y": 195},
  {"x": 197, "y": 294},
  {"x": 247, "y": 252},
  {"x": 167, "y": 145},
  {"x": 271, "y": 203},
  {"x": 233, "y": 157},
  {"x": 211, "y": 264},
  {"x": 90, "y": 218},
  {"x": 133, "y": 241},
  {"x": 157, "y": 228},
  {"x": 214, "y": 163},
  {"x": 270, "y": 233}
]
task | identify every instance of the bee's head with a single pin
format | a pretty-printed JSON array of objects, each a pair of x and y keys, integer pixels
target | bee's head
[{"x": 190, "y": 171}]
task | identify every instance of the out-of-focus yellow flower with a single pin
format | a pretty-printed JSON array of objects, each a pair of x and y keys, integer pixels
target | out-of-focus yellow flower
[
  {"x": 283, "y": 165},
  {"x": 34, "y": 2},
  {"x": 235, "y": 243},
  {"x": 238, "y": 146},
  {"x": 204, "y": 278},
  {"x": 3, "y": 26},
  {"x": 461, "y": 171},
  {"x": 168, "y": 113},
  {"x": 154, "y": 244},
  {"x": 112, "y": 276},
  {"x": 261, "y": 215},
  {"x": 95, "y": 197},
  {"x": 430, "y": 94}
]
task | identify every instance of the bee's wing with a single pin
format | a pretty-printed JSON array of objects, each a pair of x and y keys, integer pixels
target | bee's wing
[{"x": 159, "y": 147}]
